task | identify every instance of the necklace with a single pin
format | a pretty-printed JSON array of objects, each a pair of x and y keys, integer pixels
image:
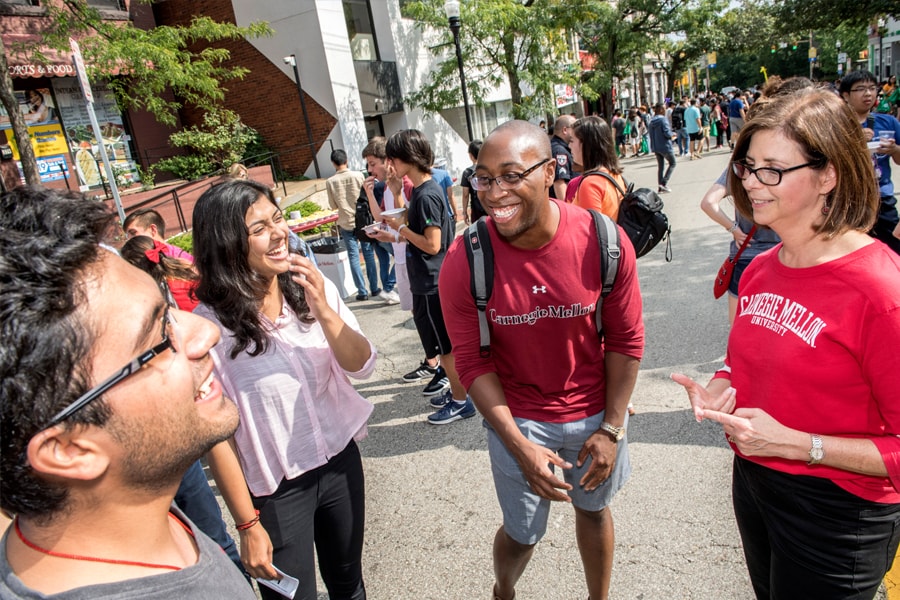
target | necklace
[{"x": 112, "y": 561}]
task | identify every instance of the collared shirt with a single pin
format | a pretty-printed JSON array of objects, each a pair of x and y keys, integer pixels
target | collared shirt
[
  {"x": 297, "y": 405},
  {"x": 343, "y": 190}
]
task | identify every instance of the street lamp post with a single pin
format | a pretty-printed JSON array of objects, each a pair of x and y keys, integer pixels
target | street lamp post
[
  {"x": 292, "y": 60},
  {"x": 451, "y": 7}
]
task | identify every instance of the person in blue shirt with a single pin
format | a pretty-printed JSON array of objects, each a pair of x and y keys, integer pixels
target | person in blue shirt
[
  {"x": 859, "y": 89},
  {"x": 661, "y": 136},
  {"x": 443, "y": 179}
]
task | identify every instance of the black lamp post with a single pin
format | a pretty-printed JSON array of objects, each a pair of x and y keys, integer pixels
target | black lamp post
[
  {"x": 451, "y": 7},
  {"x": 292, "y": 60}
]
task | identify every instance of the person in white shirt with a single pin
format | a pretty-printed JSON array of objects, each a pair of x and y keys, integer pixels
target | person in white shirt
[{"x": 292, "y": 475}]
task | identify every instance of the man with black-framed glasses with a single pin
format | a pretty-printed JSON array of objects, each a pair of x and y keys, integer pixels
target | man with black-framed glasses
[
  {"x": 553, "y": 395},
  {"x": 107, "y": 398},
  {"x": 859, "y": 89}
]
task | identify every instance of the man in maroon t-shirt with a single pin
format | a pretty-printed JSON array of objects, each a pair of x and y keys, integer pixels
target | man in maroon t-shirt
[{"x": 551, "y": 392}]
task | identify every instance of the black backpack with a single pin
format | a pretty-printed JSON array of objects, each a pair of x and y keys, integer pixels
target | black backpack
[
  {"x": 363, "y": 217},
  {"x": 678, "y": 117},
  {"x": 641, "y": 216},
  {"x": 481, "y": 269}
]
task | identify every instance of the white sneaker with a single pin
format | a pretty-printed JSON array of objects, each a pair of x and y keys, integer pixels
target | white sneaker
[{"x": 390, "y": 297}]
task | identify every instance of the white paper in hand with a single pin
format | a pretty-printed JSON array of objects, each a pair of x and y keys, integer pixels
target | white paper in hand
[{"x": 286, "y": 586}]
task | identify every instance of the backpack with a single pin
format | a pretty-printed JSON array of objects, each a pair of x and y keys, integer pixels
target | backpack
[
  {"x": 481, "y": 268},
  {"x": 642, "y": 218},
  {"x": 678, "y": 117},
  {"x": 363, "y": 217}
]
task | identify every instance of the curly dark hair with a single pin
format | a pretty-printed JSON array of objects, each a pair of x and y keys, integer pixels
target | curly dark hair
[
  {"x": 227, "y": 283},
  {"x": 48, "y": 241}
]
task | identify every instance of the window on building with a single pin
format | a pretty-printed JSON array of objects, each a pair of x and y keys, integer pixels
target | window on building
[
  {"x": 112, "y": 4},
  {"x": 363, "y": 44},
  {"x": 21, "y": 2}
]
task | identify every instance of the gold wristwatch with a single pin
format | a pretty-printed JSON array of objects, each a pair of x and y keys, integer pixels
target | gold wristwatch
[{"x": 617, "y": 433}]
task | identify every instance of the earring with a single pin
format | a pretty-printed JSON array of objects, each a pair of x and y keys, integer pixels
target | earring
[{"x": 825, "y": 210}]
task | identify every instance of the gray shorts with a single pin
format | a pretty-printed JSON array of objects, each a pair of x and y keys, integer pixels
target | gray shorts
[{"x": 525, "y": 513}]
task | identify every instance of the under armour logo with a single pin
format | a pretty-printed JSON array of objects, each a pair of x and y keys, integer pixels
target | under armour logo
[{"x": 542, "y": 289}]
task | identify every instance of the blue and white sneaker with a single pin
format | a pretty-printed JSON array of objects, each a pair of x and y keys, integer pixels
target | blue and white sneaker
[
  {"x": 453, "y": 411},
  {"x": 441, "y": 400}
]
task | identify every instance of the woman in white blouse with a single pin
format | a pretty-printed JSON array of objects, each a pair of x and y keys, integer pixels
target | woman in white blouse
[{"x": 292, "y": 475}]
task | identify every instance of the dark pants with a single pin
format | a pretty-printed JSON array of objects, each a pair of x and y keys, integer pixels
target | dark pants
[
  {"x": 321, "y": 511},
  {"x": 195, "y": 498},
  {"x": 805, "y": 537},
  {"x": 384, "y": 251},
  {"x": 661, "y": 159}
]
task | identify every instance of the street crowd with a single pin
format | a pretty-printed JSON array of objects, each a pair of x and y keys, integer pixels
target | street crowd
[{"x": 121, "y": 369}]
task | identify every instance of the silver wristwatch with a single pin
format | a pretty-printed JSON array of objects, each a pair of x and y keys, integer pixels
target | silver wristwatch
[
  {"x": 617, "y": 433},
  {"x": 817, "y": 452}
]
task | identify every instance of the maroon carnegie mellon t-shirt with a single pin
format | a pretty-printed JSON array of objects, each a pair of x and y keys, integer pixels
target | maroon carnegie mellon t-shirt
[{"x": 544, "y": 343}]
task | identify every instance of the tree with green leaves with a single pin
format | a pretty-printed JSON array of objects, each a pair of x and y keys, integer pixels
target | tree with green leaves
[
  {"x": 149, "y": 62},
  {"x": 755, "y": 38},
  {"x": 792, "y": 16},
  {"x": 524, "y": 44},
  {"x": 625, "y": 33}
]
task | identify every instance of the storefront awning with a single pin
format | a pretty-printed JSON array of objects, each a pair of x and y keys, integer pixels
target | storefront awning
[{"x": 23, "y": 65}]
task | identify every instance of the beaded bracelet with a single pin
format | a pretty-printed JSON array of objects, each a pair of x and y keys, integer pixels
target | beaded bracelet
[{"x": 248, "y": 524}]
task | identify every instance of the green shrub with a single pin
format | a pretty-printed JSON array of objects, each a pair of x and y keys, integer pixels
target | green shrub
[
  {"x": 218, "y": 143},
  {"x": 188, "y": 167},
  {"x": 185, "y": 241}
]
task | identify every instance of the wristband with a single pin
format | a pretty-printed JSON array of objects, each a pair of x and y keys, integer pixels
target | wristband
[
  {"x": 733, "y": 227},
  {"x": 248, "y": 524},
  {"x": 402, "y": 225}
]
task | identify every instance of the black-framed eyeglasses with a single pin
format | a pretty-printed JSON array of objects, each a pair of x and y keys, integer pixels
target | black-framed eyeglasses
[
  {"x": 768, "y": 175},
  {"x": 507, "y": 181},
  {"x": 121, "y": 375}
]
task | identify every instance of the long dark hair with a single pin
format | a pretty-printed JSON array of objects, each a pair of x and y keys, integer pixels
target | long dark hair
[
  {"x": 598, "y": 146},
  {"x": 227, "y": 283}
]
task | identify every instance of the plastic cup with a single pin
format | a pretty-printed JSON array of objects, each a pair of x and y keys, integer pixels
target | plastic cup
[{"x": 885, "y": 135}]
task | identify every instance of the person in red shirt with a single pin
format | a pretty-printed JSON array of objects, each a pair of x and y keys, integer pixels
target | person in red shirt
[
  {"x": 808, "y": 394},
  {"x": 542, "y": 307},
  {"x": 175, "y": 277}
]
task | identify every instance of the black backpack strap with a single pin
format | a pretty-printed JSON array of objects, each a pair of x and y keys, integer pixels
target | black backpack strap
[
  {"x": 481, "y": 270},
  {"x": 610, "y": 253}
]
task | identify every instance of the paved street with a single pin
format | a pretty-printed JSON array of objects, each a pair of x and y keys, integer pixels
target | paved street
[{"x": 432, "y": 512}]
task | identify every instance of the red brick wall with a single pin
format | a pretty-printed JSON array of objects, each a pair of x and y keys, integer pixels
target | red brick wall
[{"x": 266, "y": 98}]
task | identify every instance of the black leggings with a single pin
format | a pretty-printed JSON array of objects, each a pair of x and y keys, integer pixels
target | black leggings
[
  {"x": 321, "y": 510},
  {"x": 805, "y": 537}
]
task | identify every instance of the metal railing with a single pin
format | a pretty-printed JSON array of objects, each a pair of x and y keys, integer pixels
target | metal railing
[{"x": 172, "y": 193}]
